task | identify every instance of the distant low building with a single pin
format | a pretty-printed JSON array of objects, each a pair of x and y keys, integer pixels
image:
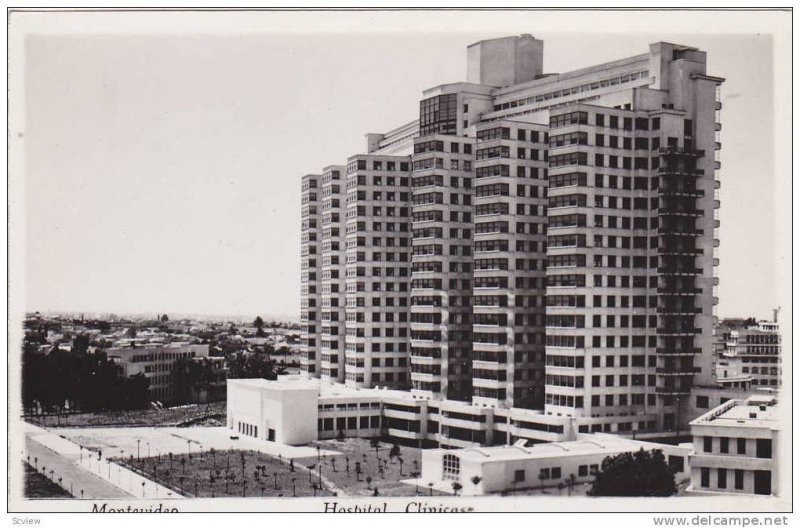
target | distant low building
[
  {"x": 735, "y": 446},
  {"x": 753, "y": 354},
  {"x": 155, "y": 363}
]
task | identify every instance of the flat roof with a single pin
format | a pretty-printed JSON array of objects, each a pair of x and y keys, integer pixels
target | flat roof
[
  {"x": 260, "y": 383},
  {"x": 747, "y": 416},
  {"x": 586, "y": 444},
  {"x": 758, "y": 411}
]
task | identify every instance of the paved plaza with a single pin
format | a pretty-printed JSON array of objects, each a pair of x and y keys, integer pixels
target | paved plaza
[{"x": 117, "y": 442}]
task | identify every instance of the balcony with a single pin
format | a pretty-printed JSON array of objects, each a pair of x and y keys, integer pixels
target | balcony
[
  {"x": 672, "y": 390},
  {"x": 676, "y": 290},
  {"x": 693, "y": 193},
  {"x": 676, "y": 271},
  {"x": 679, "y": 310},
  {"x": 677, "y": 371},
  {"x": 665, "y": 211},
  {"x": 678, "y": 331},
  {"x": 677, "y": 151},
  {"x": 674, "y": 230},
  {"x": 678, "y": 352},
  {"x": 679, "y": 251}
]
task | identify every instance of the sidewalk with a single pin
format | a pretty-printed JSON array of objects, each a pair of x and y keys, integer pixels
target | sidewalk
[
  {"x": 72, "y": 476},
  {"x": 125, "y": 479},
  {"x": 83, "y": 474}
]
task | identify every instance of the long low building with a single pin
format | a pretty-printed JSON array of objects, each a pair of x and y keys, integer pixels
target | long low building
[
  {"x": 334, "y": 410},
  {"x": 497, "y": 469},
  {"x": 297, "y": 411}
]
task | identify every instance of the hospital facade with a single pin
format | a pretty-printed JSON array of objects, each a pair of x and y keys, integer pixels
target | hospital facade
[{"x": 533, "y": 256}]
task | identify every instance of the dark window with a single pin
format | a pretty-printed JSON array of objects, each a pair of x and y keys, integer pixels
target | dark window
[
  {"x": 741, "y": 446},
  {"x": 707, "y": 443},
  {"x": 764, "y": 448},
  {"x": 738, "y": 479},
  {"x": 704, "y": 477},
  {"x": 722, "y": 478},
  {"x": 438, "y": 115},
  {"x": 762, "y": 482}
]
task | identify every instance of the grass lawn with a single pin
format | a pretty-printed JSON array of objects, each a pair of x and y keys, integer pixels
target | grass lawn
[
  {"x": 222, "y": 475},
  {"x": 359, "y": 450},
  {"x": 206, "y": 414},
  {"x": 37, "y": 486}
]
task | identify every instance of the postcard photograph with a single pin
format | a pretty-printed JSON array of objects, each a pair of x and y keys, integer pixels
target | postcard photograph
[{"x": 417, "y": 261}]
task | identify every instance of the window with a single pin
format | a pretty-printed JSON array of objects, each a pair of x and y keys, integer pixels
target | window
[
  {"x": 738, "y": 479},
  {"x": 723, "y": 444},
  {"x": 583, "y": 471},
  {"x": 704, "y": 477},
  {"x": 707, "y": 443},
  {"x": 763, "y": 448},
  {"x": 451, "y": 466},
  {"x": 438, "y": 115},
  {"x": 519, "y": 475},
  {"x": 741, "y": 446},
  {"x": 722, "y": 478}
]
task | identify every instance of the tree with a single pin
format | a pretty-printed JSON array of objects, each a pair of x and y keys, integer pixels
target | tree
[
  {"x": 259, "y": 324},
  {"x": 394, "y": 451},
  {"x": 571, "y": 483},
  {"x": 640, "y": 474},
  {"x": 80, "y": 345},
  {"x": 131, "y": 332},
  {"x": 243, "y": 365},
  {"x": 456, "y": 487},
  {"x": 164, "y": 318}
]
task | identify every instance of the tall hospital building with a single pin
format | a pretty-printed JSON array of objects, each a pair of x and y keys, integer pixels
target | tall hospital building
[{"x": 534, "y": 251}]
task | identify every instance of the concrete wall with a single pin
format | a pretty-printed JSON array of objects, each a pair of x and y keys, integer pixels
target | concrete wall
[
  {"x": 290, "y": 412},
  {"x": 505, "y": 61}
]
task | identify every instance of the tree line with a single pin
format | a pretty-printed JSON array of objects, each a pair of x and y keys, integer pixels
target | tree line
[{"x": 89, "y": 382}]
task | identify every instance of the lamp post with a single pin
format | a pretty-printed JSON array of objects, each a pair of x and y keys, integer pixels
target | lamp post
[
  {"x": 138, "y": 441},
  {"x": 148, "y": 449}
]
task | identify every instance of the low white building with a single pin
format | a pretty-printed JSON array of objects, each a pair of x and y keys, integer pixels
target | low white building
[
  {"x": 276, "y": 411},
  {"x": 483, "y": 470},
  {"x": 293, "y": 411},
  {"x": 735, "y": 446}
]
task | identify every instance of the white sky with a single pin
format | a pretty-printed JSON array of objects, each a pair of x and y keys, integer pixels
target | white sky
[{"x": 162, "y": 170}]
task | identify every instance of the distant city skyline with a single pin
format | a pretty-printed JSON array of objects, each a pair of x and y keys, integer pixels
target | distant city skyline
[{"x": 163, "y": 172}]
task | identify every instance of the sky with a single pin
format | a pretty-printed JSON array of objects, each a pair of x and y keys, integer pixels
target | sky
[{"x": 162, "y": 171}]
